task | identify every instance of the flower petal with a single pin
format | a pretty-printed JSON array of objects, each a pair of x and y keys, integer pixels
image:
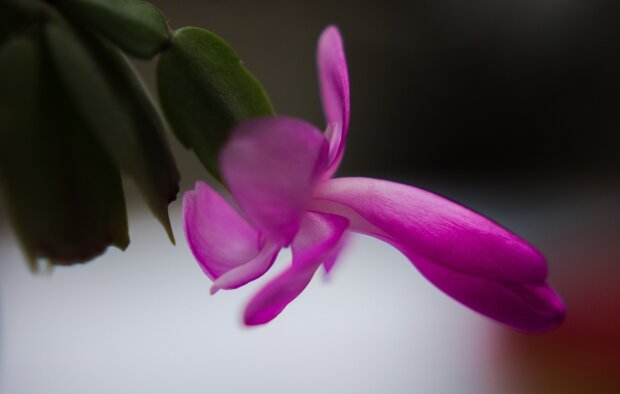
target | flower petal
[
  {"x": 218, "y": 236},
  {"x": 334, "y": 83},
  {"x": 271, "y": 166},
  {"x": 247, "y": 272},
  {"x": 333, "y": 133},
  {"x": 318, "y": 236},
  {"x": 469, "y": 257},
  {"x": 332, "y": 258}
]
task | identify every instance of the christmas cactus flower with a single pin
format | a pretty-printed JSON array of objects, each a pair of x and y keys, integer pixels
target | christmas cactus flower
[{"x": 279, "y": 173}]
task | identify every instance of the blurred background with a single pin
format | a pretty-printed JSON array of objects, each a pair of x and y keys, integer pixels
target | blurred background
[{"x": 509, "y": 107}]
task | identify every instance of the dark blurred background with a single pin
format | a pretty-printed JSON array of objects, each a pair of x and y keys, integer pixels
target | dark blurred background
[
  {"x": 484, "y": 88},
  {"x": 508, "y": 106}
]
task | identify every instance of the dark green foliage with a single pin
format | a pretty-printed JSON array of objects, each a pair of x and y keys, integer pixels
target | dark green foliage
[
  {"x": 117, "y": 110},
  {"x": 63, "y": 193},
  {"x": 19, "y": 15},
  {"x": 205, "y": 90},
  {"x": 74, "y": 115},
  {"x": 137, "y": 27}
]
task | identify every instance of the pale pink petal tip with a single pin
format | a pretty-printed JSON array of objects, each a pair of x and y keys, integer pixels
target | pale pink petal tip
[
  {"x": 333, "y": 257},
  {"x": 335, "y": 95},
  {"x": 333, "y": 77},
  {"x": 252, "y": 269}
]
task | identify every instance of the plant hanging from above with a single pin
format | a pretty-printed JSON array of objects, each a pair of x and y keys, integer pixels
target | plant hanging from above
[{"x": 75, "y": 116}]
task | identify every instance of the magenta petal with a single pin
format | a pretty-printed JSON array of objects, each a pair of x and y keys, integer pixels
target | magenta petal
[
  {"x": 469, "y": 257},
  {"x": 218, "y": 236},
  {"x": 271, "y": 166},
  {"x": 247, "y": 272},
  {"x": 332, "y": 258},
  {"x": 334, "y": 83},
  {"x": 317, "y": 237},
  {"x": 334, "y": 136},
  {"x": 529, "y": 307}
]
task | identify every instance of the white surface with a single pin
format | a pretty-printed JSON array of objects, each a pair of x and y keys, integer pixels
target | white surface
[{"x": 142, "y": 321}]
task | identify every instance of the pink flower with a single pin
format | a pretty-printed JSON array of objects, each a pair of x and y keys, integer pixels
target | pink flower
[{"x": 279, "y": 171}]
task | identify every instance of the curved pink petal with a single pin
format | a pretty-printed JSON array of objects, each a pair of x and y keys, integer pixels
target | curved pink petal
[
  {"x": 334, "y": 136},
  {"x": 334, "y": 84},
  {"x": 271, "y": 166},
  {"x": 318, "y": 236},
  {"x": 332, "y": 258},
  {"x": 217, "y": 235},
  {"x": 469, "y": 257},
  {"x": 247, "y": 272}
]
